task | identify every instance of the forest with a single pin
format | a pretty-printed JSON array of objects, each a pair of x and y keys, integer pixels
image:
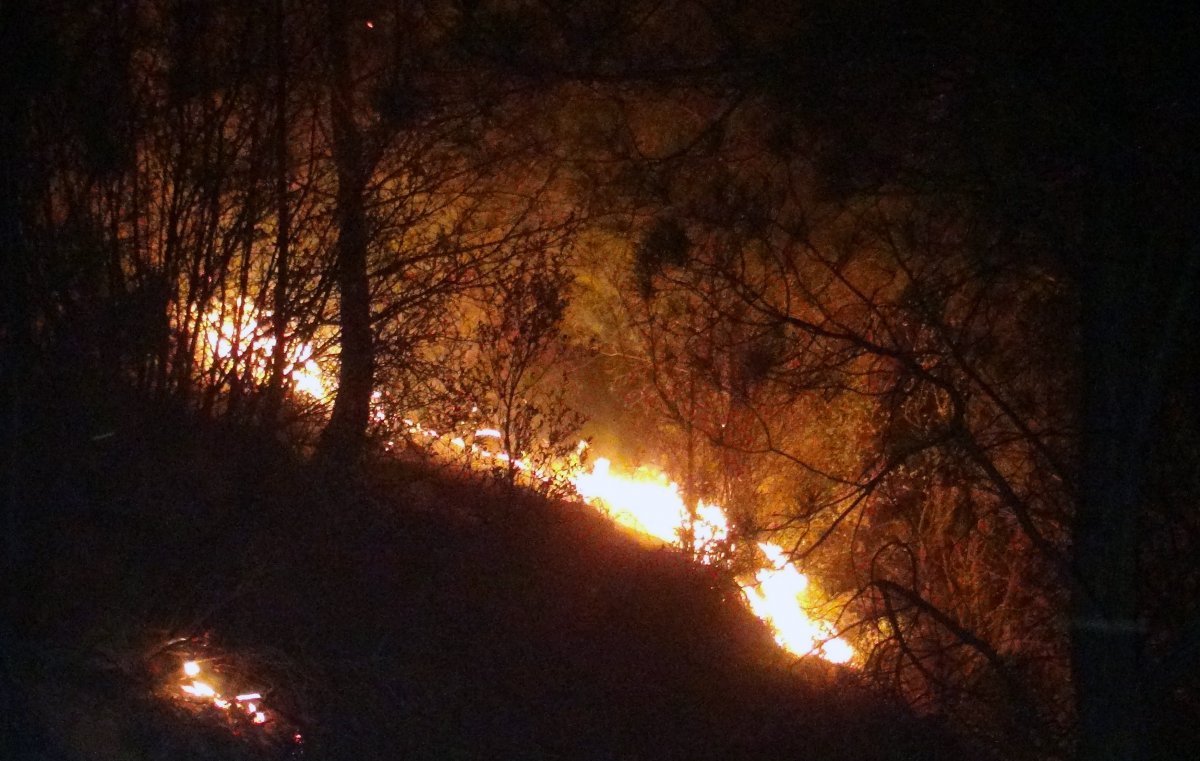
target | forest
[{"x": 903, "y": 294}]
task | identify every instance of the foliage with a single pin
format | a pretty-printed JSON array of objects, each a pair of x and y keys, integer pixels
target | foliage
[{"x": 518, "y": 367}]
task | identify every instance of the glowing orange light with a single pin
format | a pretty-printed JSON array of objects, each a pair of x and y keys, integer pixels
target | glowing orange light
[
  {"x": 235, "y": 331},
  {"x": 837, "y": 650},
  {"x": 647, "y": 502},
  {"x": 650, "y": 503},
  {"x": 199, "y": 689}
]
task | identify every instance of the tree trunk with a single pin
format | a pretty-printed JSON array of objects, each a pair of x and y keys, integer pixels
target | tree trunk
[
  {"x": 343, "y": 440},
  {"x": 1106, "y": 637}
]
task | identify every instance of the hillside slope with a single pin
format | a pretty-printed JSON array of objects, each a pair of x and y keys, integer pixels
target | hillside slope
[{"x": 407, "y": 614}]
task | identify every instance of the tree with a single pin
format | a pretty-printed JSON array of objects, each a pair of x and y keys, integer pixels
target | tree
[
  {"x": 343, "y": 439},
  {"x": 880, "y": 319},
  {"x": 518, "y": 364},
  {"x": 1073, "y": 157},
  {"x": 442, "y": 180}
]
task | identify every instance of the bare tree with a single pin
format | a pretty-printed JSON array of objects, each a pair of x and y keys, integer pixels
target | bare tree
[{"x": 517, "y": 367}]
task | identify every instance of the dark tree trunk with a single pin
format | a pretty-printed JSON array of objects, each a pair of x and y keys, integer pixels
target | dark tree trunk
[
  {"x": 1106, "y": 637},
  {"x": 344, "y": 437},
  {"x": 1135, "y": 315},
  {"x": 1139, "y": 267}
]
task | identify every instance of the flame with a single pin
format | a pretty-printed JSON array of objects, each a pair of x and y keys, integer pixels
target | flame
[
  {"x": 777, "y": 596},
  {"x": 646, "y": 501},
  {"x": 649, "y": 503},
  {"x": 837, "y": 650},
  {"x": 226, "y": 338},
  {"x": 198, "y": 688}
]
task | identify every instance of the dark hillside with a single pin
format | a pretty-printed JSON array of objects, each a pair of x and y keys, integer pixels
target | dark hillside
[{"x": 410, "y": 615}]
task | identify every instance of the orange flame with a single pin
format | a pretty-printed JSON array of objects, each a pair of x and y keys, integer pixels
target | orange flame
[
  {"x": 649, "y": 503},
  {"x": 776, "y": 595},
  {"x": 224, "y": 336},
  {"x": 198, "y": 688}
]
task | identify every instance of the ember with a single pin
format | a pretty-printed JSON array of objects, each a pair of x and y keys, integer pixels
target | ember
[{"x": 199, "y": 689}]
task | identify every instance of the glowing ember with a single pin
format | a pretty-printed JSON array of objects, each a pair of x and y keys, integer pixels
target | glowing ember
[{"x": 198, "y": 688}]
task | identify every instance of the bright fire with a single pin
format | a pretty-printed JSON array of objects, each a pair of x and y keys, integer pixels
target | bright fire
[
  {"x": 202, "y": 690},
  {"x": 777, "y": 594},
  {"x": 650, "y": 503},
  {"x": 647, "y": 501},
  {"x": 228, "y": 338}
]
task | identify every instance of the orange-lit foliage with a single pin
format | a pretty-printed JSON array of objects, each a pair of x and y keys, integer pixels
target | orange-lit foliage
[{"x": 237, "y": 347}]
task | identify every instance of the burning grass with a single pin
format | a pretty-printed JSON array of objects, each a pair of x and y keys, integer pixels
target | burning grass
[{"x": 411, "y": 615}]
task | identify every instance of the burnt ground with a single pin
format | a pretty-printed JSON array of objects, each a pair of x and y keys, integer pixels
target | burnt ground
[{"x": 409, "y": 613}]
